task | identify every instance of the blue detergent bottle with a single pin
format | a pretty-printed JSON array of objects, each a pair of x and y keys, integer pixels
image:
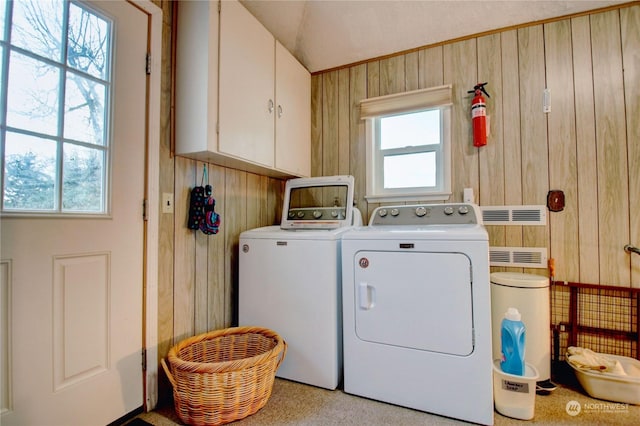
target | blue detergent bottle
[{"x": 512, "y": 335}]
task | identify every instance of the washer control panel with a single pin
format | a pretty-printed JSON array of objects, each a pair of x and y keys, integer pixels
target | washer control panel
[
  {"x": 317, "y": 213},
  {"x": 427, "y": 214}
]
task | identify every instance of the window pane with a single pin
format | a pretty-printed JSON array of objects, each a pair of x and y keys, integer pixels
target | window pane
[
  {"x": 410, "y": 170},
  {"x": 3, "y": 16},
  {"x": 32, "y": 102},
  {"x": 88, "y": 42},
  {"x": 37, "y": 27},
  {"x": 84, "y": 110},
  {"x": 82, "y": 185},
  {"x": 30, "y": 172},
  {"x": 57, "y": 48},
  {"x": 2, "y": 86},
  {"x": 414, "y": 129}
]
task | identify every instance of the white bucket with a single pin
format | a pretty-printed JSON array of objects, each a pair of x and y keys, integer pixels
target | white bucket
[{"x": 515, "y": 396}]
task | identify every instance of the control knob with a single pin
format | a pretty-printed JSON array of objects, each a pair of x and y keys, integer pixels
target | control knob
[
  {"x": 463, "y": 209},
  {"x": 421, "y": 211},
  {"x": 317, "y": 214},
  {"x": 300, "y": 214},
  {"x": 395, "y": 212},
  {"x": 382, "y": 212},
  {"x": 448, "y": 210}
]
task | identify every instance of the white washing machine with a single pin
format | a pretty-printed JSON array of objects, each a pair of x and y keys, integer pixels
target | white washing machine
[
  {"x": 290, "y": 277},
  {"x": 417, "y": 310}
]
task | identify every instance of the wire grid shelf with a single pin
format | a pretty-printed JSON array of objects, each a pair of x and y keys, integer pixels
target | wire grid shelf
[{"x": 601, "y": 318}]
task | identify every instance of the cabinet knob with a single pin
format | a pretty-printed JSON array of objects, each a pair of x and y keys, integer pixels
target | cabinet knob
[
  {"x": 279, "y": 111},
  {"x": 270, "y": 106}
]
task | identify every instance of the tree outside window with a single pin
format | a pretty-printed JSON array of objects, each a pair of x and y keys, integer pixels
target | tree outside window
[{"x": 56, "y": 94}]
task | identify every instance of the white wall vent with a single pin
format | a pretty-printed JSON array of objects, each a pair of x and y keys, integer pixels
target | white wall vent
[
  {"x": 520, "y": 257},
  {"x": 514, "y": 215}
]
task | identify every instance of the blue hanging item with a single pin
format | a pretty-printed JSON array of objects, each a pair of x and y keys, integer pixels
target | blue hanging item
[
  {"x": 210, "y": 223},
  {"x": 512, "y": 335}
]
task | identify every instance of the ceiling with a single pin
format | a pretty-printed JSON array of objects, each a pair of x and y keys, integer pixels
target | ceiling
[{"x": 325, "y": 34}]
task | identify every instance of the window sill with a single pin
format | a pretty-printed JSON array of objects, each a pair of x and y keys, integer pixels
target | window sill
[{"x": 434, "y": 196}]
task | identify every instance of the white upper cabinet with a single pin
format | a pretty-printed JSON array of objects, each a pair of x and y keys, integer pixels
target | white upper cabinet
[
  {"x": 293, "y": 115},
  {"x": 247, "y": 95},
  {"x": 248, "y": 103},
  {"x": 197, "y": 78}
]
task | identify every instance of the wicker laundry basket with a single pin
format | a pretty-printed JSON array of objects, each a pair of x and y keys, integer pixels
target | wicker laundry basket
[{"x": 224, "y": 375}]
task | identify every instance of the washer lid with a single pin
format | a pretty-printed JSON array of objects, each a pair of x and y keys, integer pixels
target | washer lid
[
  {"x": 518, "y": 279},
  {"x": 276, "y": 233},
  {"x": 318, "y": 203}
]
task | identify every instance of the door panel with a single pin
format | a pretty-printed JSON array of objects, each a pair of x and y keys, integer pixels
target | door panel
[
  {"x": 80, "y": 314},
  {"x": 76, "y": 283},
  {"x": 414, "y": 300}
]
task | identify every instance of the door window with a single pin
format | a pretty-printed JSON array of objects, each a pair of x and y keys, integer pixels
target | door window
[{"x": 55, "y": 58}]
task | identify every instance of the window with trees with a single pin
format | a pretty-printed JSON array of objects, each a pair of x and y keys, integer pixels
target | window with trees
[{"x": 55, "y": 60}]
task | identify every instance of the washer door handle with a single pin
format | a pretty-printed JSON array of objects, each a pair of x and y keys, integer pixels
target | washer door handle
[{"x": 366, "y": 296}]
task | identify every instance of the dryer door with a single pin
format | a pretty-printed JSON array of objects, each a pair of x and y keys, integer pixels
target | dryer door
[{"x": 419, "y": 300}]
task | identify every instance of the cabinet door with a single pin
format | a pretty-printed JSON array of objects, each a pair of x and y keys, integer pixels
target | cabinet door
[
  {"x": 247, "y": 98},
  {"x": 197, "y": 77},
  {"x": 293, "y": 115}
]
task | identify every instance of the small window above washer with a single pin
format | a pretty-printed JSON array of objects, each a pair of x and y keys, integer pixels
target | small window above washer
[{"x": 408, "y": 142}]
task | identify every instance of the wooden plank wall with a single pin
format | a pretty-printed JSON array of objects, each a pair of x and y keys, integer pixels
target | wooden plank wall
[
  {"x": 588, "y": 145},
  {"x": 198, "y": 282},
  {"x": 205, "y": 274},
  {"x": 630, "y": 29}
]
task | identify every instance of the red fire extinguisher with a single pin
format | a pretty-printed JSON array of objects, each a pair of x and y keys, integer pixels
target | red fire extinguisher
[{"x": 479, "y": 115}]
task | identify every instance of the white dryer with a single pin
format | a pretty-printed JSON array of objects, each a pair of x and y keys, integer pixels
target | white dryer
[
  {"x": 417, "y": 310},
  {"x": 290, "y": 277}
]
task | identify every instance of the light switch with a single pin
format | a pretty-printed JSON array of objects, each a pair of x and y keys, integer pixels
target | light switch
[
  {"x": 546, "y": 101},
  {"x": 468, "y": 196},
  {"x": 167, "y": 202}
]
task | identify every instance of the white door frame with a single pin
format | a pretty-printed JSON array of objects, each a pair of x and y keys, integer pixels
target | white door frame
[{"x": 153, "y": 203}]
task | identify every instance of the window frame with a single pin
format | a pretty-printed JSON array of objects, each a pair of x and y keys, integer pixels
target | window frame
[{"x": 373, "y": 109}]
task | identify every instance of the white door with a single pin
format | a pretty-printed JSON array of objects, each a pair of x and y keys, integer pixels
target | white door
[{"x": 73, "y": 313}]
